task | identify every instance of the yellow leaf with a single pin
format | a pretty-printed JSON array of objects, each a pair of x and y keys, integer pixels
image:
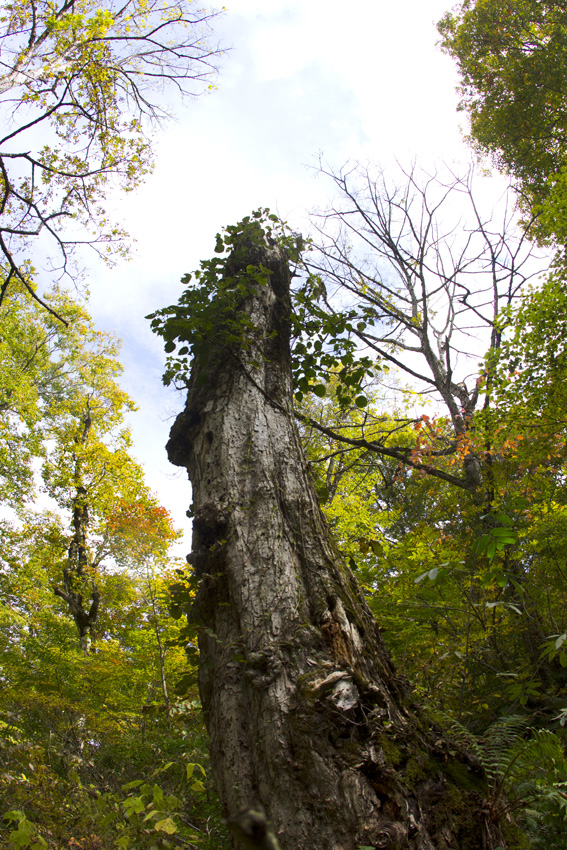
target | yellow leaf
[{"x": 166, "y": 825}]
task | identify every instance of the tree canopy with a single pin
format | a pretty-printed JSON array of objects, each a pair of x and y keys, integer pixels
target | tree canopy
[
  {"x": 512, "y": 58},
  {"x": 93, "y": 735},
  {"x": 81, "y": 87}
]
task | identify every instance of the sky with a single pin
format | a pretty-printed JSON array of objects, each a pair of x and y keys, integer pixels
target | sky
[{"x": 299, "y": 81}]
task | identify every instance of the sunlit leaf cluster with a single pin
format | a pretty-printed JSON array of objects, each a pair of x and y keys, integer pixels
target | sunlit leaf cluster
[{"x": 82, "y": 85}]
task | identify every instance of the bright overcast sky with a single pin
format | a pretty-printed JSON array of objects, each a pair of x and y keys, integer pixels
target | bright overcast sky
[{"x": 304, "y": 78}]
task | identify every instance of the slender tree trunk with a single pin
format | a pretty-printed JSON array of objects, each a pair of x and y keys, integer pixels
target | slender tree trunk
[
  {"x": 161, "y": 649},
  {"x": 305, "y": 712},
  {"x": 76, "y": 578}
]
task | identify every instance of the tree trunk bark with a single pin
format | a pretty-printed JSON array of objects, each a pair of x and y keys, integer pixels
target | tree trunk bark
[
  {"x": 305, "y": 712},
  {"x": 76, "y": 578}
]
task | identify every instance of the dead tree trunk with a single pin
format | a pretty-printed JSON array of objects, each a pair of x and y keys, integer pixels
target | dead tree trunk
[{"x": 305, "y": 712}]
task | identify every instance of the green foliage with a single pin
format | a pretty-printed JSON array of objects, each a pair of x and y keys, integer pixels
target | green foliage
[
  {"x": 211, "y": 320},
  {"x": 78, "y": 728},
  {"x": 526, "y": 771},
  {"x": 25, "y": 833},
  {"x": 531, "y": 365},
  {"x": 496, "y": 538},
  {"x": 137, "y": 814},
  {"x": 325, "y": 350},
  {"x": 38, "y": 354},
  {"x": 471, "y": 596},
  {"x": 512, "y": 57},
  {"x": 78, "y": 90},
  {"x": 62, "y": 405}
]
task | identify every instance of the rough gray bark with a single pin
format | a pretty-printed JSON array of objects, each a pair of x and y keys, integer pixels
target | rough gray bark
[{"x": 306, "y": 715}]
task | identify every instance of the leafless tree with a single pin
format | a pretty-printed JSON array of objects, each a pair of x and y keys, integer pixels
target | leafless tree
[{"x": 432, "y": 275}]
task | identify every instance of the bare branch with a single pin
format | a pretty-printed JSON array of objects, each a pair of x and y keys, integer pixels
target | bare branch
[{"x": 430, "y": 274}]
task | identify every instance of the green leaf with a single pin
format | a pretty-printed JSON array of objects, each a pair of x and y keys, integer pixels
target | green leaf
[
  {"x": 24, "y": 834},
  {"x": 319, "y": 390},
  {"x": 133, "y": 804},
  {"x": 135, "y": 784},
  {"x": 166, "y": 825},
  {"x": 376, "y": 548},
  {"x": 504, "y": 533},
  {"x": 15, "y": 815},
  {"x": 502, "y": 604},
  {"x": 480, "y": 545},
  {"x": 504, "y": 519},
  {"x": 157, "y": 795}
]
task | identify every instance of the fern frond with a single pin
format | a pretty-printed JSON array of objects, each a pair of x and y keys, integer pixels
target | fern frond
[
  {"x": 502, "y": 745},
  {"x": 460, "y": 734}
]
